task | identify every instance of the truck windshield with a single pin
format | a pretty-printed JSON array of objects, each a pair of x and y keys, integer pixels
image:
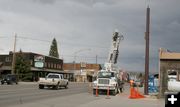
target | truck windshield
[
  {"x": 105, "y": 74},
  {"x": 53, "y": 76}
]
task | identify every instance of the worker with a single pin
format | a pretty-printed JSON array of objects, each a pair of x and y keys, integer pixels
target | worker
[
  {"x": 131, "y": 83},
  {"x": 120, "y": 84}
]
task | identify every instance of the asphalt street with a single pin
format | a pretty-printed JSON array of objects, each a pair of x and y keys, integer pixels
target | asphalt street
[
  {"x": 77, "y": 95},
  {"x": 29, "y": 92}
]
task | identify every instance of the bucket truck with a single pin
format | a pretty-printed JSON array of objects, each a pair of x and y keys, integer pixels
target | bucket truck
[{"x": 107, "y": 77}]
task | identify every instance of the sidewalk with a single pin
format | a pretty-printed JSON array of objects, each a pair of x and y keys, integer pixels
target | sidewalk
[{"x": 122, "y": 100}]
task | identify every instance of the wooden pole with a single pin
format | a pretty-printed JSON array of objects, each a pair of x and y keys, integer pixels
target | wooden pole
[
  {"x": 147, "y": 51},
  {"x": 14, "y": 56}
]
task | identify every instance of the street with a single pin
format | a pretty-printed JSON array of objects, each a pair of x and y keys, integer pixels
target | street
[
  {"x": 24, "y": 93},
  {"x": 77, "y": 95}
]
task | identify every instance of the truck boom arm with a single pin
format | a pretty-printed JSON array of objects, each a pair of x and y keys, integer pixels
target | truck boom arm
[{"x": 114, "y": 51}]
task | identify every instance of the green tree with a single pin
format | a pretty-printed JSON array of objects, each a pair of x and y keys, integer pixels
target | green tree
[
  {"x": 22, "y": 67},
  {"x": 54, "y": 49}
]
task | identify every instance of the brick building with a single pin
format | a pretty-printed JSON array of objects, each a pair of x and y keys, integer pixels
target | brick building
[
  {"x": 40, "y": 65},
  {"x": 83, "y": 72}
]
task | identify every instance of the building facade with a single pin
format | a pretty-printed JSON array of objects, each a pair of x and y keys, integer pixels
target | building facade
[
  {"x": 40, "y": 65},
  {"x": 169, "y": 62},
  {"x": 83, "y": 72}
]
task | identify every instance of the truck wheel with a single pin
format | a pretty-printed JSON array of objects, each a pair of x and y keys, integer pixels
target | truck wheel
[
  {"x": 41, "y": 86},
  {"x": 114, "y": 92},
  {"x": 56, "y": 86},
  {"x": 66, "y": 86},
  {"x": 94, "y": 91}
]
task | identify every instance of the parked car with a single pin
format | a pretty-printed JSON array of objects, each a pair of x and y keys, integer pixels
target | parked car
[{"x": 9, "y": 79}]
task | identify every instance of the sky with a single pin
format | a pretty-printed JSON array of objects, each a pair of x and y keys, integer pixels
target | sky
[{"x": 84, "y": 28}]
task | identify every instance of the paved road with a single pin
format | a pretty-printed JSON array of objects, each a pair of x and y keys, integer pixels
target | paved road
[
  {"x": 28, "y": 95},
  {"x": 29, "y": 92}
]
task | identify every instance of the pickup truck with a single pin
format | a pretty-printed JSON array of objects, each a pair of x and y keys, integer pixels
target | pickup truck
[{"x": 53, "y": 80}]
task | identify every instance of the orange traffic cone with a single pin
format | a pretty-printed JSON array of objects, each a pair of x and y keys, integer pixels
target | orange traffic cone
[
  {"x": 132, "y": 93},
  {"x": 107, "y": 97},
  {"x": 139, "y": 95},
  {"x": 97, "y": 91}
]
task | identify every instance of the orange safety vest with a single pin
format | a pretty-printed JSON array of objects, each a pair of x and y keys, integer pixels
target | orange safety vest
[{"x": 131, "y": 82}]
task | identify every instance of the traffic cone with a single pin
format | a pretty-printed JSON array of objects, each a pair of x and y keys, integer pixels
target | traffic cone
[
  {"x": 96, "y": 91},
  {"x": 139, "y": 95},
  {"x": 107, "y": 97},
  {"x": 132, "y": 93}
]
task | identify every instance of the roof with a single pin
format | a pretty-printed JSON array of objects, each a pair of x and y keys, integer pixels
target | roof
[
  {"x": 169, "y": 55},
  {"x": 29, "y": 53},
  {"x": 78, "y": 66}
]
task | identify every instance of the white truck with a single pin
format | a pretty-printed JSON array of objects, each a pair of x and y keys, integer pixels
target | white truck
[
  {"x": 107, "y": 78},
  {"x": 53, "y": 80}
]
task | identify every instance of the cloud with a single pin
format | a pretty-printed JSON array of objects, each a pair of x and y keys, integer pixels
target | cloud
[
  {"x": 84, "y": 24},
  {"x": 45, "y": 1}
]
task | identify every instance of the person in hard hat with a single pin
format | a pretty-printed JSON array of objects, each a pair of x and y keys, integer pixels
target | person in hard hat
[{"x": 131, "y": 83}]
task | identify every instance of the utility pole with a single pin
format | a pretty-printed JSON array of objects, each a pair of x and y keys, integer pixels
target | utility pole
[
  {"x": 147, "y": 51},
  {"x": 14, "y": 56}
]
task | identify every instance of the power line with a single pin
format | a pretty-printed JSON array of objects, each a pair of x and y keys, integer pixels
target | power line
[
  {"x": 33, "y": 39},
  {"x": 90, "y": 57},
  {"x": 77, "y": 44},
  {"x": 62, "y": 43}
]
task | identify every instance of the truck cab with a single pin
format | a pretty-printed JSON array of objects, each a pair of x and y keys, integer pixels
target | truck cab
[{"x": 106, "y": 80}]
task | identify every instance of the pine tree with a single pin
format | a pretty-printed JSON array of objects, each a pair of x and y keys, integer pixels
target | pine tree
[
  {"x": 23, "y": 67},
  {"x": 54, "y": 49}
]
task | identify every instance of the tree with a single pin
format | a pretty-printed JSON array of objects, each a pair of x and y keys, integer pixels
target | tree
[
  {"x": 22, "y": 67},
  {"x": 54, "y": 49}
]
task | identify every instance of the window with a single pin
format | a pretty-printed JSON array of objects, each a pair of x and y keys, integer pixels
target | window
[
  {"x": 53, "y": 76},
  {"x": 65, "y": 76},
  {"x": 58, "y": 66},
  {"x": 49, "y": 65},
  {"x": 54, "y": 65},
  {"x": 45, "y": 64},
  {"x": 31, "y": 62},
  {"x": 7, "y": 59}
]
